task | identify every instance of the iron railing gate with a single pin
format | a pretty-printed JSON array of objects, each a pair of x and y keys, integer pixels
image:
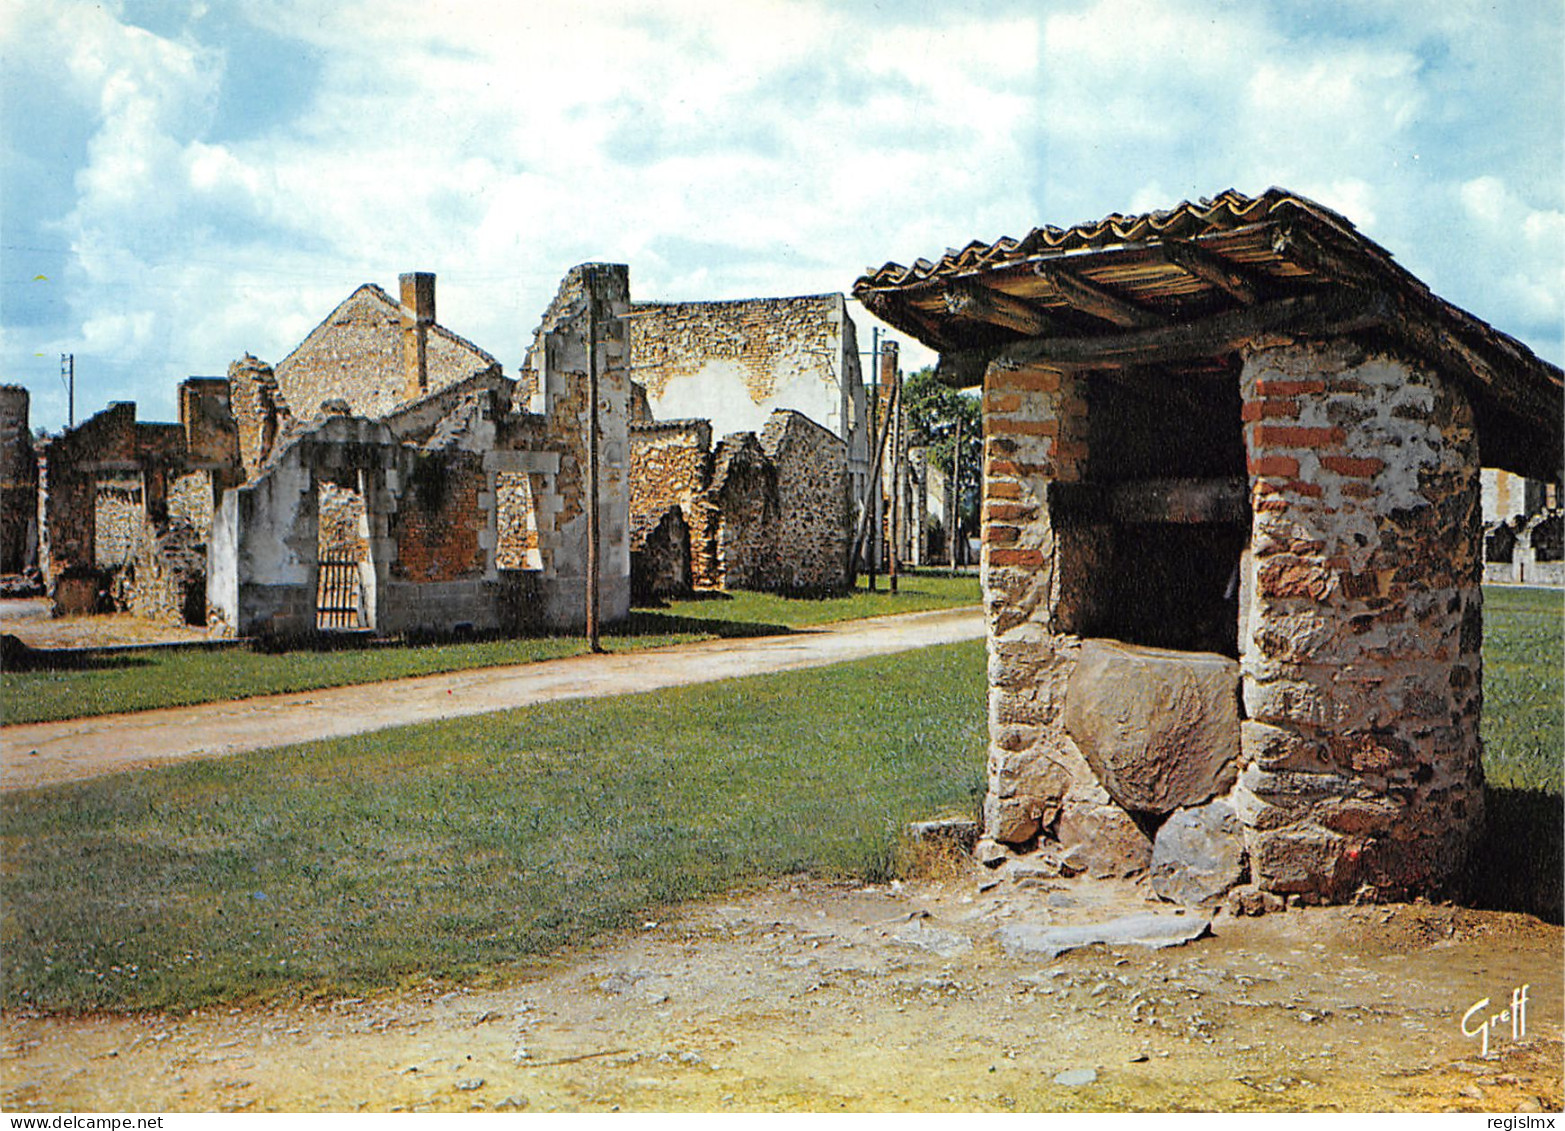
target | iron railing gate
[{"x": 337, "y": 598}]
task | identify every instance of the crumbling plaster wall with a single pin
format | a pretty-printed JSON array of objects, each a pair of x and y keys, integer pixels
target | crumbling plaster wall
[
  {"x": 1358, "y": 756},
  {"x": 734, "y": 363}
]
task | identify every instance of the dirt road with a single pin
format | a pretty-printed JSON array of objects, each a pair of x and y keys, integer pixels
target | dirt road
[
  {"x": 41, "y": 754},
  {"x": 817, "y": 997}
]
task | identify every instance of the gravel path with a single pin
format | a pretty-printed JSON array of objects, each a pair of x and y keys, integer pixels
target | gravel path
[{"x": 40, "y": 754}]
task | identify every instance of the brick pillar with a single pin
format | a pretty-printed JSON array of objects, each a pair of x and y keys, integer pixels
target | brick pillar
[
  {"x": 1035, "y": 433},
  {"x": 418, "y": 315},
  {"x": 1362, "y": 677}
]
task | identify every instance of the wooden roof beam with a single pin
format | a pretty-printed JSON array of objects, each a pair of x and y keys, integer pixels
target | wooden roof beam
[
  {"x": 979, "y": 303},
  {"x": 1317, "y": 315},
  {"x": 1093, "y": 299},
  {"x": 1212, "y": 269}
]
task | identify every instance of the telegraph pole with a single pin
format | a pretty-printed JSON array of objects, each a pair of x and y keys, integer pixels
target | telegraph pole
[{"x": 68, "y": 375}]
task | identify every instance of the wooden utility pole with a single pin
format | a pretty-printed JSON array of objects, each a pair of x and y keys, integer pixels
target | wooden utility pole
[
  {"x": 872, "y": 501},
  {"x": 954, "y": 493},
  {"x": 593, "y": 567},
  {"x": 870, "y": 513},
  {"x": 894, "y": 421}
]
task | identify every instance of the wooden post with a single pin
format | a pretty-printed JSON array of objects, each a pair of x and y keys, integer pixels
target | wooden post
[
  {"x": 593, "y": 643},
  {"x": 954, "y": 494},
  {"x": 895, "y": 422}
]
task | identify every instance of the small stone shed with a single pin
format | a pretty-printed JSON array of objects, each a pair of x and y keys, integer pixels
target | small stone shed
[{"x": 1231, "y": 541}]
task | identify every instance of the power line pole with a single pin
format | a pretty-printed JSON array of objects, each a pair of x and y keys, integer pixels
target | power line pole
[
  {"x": 68, "y": 375},
  {"x": 894, "y": 421}
]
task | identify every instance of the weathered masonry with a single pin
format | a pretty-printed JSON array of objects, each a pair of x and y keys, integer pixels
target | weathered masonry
[
  {"x": 18, "y": 483},
  {"x": 756, "y": 512},
  {"x": 416, "y": 493},
  {"x": 126, "y": 506},
  {"x": 735, "y": 363},
  {"x": 1232, "y": 541}
]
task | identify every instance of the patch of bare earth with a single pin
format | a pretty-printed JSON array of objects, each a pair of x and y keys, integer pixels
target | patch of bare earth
[{"x": 821, "y": 997}]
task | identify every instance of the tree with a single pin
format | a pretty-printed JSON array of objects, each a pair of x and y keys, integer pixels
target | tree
[{"x": 933, "y": 411}]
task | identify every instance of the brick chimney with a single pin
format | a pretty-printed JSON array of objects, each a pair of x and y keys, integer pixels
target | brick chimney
[{"x": 418, "y": 315}]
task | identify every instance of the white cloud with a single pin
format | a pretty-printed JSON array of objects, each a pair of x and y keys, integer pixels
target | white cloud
[{"x": 728, "y": 149}]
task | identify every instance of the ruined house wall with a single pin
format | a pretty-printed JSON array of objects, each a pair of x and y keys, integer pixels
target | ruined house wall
[
  {"x": 440, "y": 518},
  {"x": 18, "y": 483},
  {"x": 595, "y": 295},
  {"x": 741, "y": 524},
  {"x": 813, "y": 533},
  {"x": 1362, "y": 668},
  {"x": 734, "y": 363},
  {"x": 358, "y": 355},
  {"x": 670, "y": 463}
]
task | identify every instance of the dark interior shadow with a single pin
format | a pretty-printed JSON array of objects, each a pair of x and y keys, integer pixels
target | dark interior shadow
[{"x": 1518, "y": 863}]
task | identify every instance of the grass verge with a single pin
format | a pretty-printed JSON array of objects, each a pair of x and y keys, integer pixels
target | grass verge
[
  {"x": 1524, "y": 688},
  {"x": 450, "y": 849},
  {"x": 108, "y": 682}
]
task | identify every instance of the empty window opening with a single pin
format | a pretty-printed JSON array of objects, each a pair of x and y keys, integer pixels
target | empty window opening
[
  {"x": 1156, "y": 531},
  {"x": 516, "y": 521}
]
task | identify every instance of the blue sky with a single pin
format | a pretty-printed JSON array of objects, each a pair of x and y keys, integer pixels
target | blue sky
[{"x": 183, "y": 182}]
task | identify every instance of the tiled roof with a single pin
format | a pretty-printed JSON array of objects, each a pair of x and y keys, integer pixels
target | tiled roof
[{"x": 1160, "y": 287}]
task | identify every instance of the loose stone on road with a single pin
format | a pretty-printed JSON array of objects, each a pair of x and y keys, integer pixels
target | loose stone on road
[{"x": 40, "y": 754}]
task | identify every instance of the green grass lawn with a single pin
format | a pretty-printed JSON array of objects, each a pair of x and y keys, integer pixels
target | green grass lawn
[
  {"x": 452, "y": 849},
  {"x": 1524, "y": 688},
  {"x": 135, "y": 680},
  {"x": 481, "y": 845}
]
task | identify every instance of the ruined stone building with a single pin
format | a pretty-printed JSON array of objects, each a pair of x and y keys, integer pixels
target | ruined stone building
[
  {"x": 1232, "y": 543},
  {"x": 416, "y": 492},
  {"x": 772, "y": 511},
  {"x": 383, "y": 477},
  {"x": 18, "y": 483},
  {"x": 775, "y": 377},
  {"x": 126, "y": 506},
  {"x": 1522, "y": 530}
]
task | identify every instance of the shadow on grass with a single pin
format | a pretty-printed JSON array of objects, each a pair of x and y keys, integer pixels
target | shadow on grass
[
  {"x": 15, "y": 656},
  {"x": 644, "y": 623},
  {"x": 1517, "y": 863}
]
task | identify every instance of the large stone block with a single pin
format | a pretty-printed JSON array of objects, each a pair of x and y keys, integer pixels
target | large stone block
[
  {"x": 1104, "y": 838},
  {"x": 1198, "y": 854},
  {"x": 1304, "y": 860},
  {"x": 1026, "y": 797},
  {"x": 1159, "y": 728}
]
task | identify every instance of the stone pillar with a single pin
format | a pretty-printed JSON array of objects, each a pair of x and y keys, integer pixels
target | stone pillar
[
  {"x": 1036, "y": 428},
  {"x": 1362, "y": 677}
]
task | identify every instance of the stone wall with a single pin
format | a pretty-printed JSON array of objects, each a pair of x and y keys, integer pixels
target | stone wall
[
  {"x": 738, "y": 542},
  {"x": 18, "y": 483},
  {"x": 670, "y": 466},
  {"x": 734, "y": 363},
  {"x": 1340, "y": 752},
  {"x": 1362, "y": 666},
  {"x": 360, "y": 355},
  {"x": 113, "y": 492},
  {"x": 814, "y": 529}
]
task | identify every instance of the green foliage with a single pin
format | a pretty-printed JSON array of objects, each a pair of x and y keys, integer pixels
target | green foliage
[
  {"x": 456, "y": 849},
  {"x": 107, "y": 682},
  {"x": 935, "y": 410}
]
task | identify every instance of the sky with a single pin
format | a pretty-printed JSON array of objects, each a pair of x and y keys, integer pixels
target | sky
[{"x": 185, "y": 182}]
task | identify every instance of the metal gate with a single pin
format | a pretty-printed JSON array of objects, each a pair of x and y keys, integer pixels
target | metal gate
[{"x": 339, "y": 596}]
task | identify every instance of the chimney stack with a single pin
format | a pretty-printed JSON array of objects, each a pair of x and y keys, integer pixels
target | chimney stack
[{"x": 418, "y": 315}]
